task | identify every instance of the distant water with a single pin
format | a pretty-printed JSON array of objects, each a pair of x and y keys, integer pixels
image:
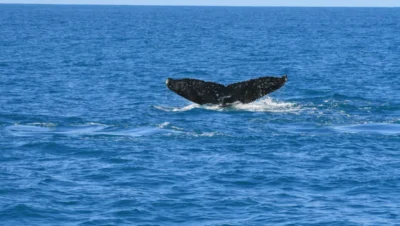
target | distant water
[{"x": 90, "y": 135}]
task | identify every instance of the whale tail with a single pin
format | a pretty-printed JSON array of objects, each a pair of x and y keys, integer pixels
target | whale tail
[{"x": 202, "y": 92}]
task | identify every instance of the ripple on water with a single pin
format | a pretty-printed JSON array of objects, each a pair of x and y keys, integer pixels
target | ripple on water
[
  {"x": 379, "y": 128},
  {"x": 95, "y": 130},
  {"x": 37, "y": 129}
]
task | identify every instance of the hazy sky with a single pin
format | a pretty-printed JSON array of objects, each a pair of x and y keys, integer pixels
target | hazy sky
[{"x": 384, "y": 3}]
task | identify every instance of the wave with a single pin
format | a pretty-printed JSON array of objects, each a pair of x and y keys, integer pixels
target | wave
[
  {"x": 263, "y": 105},
  {"x": 84, "y": 130},
  {"x": 374, "y": 128},
  {"x": 98, "y": 129}
]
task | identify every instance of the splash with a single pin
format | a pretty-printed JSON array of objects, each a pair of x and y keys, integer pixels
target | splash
[
  {"x": 264, "y": 105},
  {"x": 268, "y": 105}
]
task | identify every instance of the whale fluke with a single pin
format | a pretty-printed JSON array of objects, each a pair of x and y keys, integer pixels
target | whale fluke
[{"x": 202, "y": 92}]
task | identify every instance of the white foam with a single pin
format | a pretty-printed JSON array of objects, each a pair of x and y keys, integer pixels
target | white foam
[
  {"x": 177, "y": 109},
  {"x": 264, "y": 105},
  {"x": 92, "y": 124},
  {"x": 42, "y": 124},
  {"x": 268, "y": 105},
  {"x": 206, "y": 134},
  {"x": 163, "y": 125}
]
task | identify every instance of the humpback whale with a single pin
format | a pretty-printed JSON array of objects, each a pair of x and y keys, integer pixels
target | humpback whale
[{"x": 202, "y": 92}]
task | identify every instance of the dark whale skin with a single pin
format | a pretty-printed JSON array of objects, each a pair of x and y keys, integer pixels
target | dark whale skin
[{"x": 203, "y": 92}]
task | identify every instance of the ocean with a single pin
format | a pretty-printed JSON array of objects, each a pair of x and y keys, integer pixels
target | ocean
[{"x": 91, "y": 135}]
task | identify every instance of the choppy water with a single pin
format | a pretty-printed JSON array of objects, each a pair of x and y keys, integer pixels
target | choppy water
[{"x": 90, "y": 135}]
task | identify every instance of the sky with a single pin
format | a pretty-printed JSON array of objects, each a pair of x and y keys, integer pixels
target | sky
[{"x": 346, "y": 3}]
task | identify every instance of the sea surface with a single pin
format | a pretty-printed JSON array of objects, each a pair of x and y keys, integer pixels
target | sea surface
[{"x": 91, "y": 135}]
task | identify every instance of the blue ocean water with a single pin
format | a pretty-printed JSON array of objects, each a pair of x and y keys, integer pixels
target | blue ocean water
[{"x": 90, "y": 134}]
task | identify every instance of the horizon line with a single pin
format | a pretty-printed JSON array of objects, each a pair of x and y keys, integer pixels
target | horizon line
[{"x": 177, "y": 5}]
